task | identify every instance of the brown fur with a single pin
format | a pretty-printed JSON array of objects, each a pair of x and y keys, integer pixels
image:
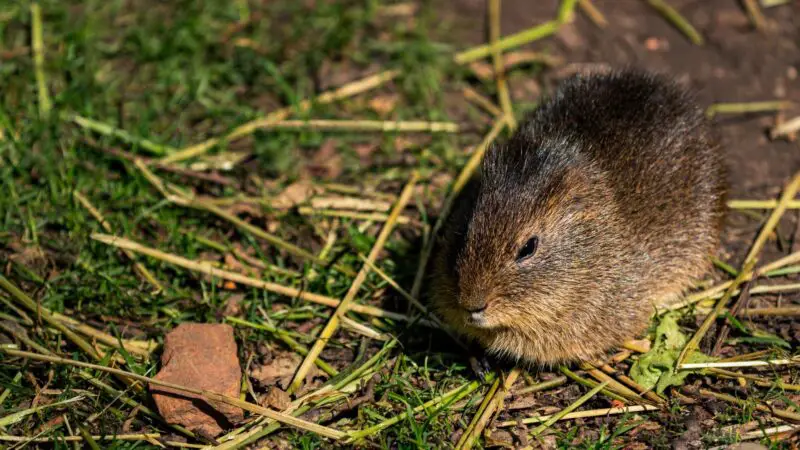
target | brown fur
[{"x": 619, "y": 179}]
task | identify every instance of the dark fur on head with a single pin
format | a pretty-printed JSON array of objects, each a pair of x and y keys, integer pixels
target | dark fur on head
[{"x": 618, "y": 180}]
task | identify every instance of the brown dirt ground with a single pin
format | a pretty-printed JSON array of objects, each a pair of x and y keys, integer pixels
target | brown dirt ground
[{"x": 736, "y": 64}]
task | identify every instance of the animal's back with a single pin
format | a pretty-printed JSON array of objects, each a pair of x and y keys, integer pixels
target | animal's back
[
  {"x": 654, "y": 148},
  {"x": 607, "y": 200}
]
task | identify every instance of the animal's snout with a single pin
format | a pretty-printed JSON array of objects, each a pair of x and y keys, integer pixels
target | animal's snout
[
  {"x": 473, "y": 303},
  {"x": 477, "y": 317}
]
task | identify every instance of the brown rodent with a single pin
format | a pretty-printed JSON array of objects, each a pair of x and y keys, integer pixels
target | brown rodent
[{"x": 606, "y": 202}]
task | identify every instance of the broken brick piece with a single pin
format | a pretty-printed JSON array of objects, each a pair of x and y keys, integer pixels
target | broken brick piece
[{"x": 200, "y": 356}]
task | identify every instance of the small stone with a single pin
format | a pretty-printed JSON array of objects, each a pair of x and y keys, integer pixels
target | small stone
[
  {"x": 278, "y": 371},
  {"x": 294, "y": 194},
  {"x": 277, "y": 399},
  {"x": 655, "y": 44},
  {"x": 746, "y": 446},
  {"x": 383, "y": 104},
  {"x": 200, "y": 356}
]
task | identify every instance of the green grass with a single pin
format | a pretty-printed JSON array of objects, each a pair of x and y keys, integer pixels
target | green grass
[{"x": 176, "y": 74}]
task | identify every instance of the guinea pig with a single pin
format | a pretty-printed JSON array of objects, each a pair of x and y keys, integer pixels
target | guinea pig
[{"x": 606, "y": 203}]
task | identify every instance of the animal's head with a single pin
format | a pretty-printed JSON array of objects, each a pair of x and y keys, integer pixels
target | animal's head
[{"x": 531, "y": 246}]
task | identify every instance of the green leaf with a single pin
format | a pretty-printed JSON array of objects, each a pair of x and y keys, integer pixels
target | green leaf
[{"x": 656, "y": 368}]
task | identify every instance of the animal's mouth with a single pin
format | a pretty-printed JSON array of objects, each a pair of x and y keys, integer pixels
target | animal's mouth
[{"x": 478, "y": 319}]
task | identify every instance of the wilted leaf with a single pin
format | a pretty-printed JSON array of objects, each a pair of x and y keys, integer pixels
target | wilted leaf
[
  {"x": 278, "y": 371},
  {"x": 294, "y": 194},
  {"x": 656, "y": 368}
]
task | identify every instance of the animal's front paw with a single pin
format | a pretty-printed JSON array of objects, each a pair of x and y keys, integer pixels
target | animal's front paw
[{"x": 481, "y": 365}]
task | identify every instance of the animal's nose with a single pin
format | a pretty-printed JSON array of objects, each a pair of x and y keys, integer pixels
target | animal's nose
[{"x": 477, "y": 316}]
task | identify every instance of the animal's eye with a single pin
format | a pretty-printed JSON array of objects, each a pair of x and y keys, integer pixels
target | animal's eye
[{"x": 529, "y": 249}]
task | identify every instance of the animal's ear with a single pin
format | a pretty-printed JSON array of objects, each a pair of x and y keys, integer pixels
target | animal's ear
[
  {"x": 578, "y": 183},
  {"x": 577, "y": 203}
]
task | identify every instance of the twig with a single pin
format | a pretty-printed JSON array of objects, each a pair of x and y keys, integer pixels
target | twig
[
  {"x": 767, "y": 432},
  {"x": 709, "y": 365},
  {"x": 44, "y": 314},
  {"x": 641, "y": 390},
  {"x": 204, "y": 394},
  {"x": 515, "y": 40},
  {"x": 549, "y": 384},
  {"x": 358, "y": 204},
  {"x": 487, "y": 399},
  {"x": 286, "y": 339},
  {"x": 45, "y": 105},
  {"x": 497, "y": 60},
  {"x": 450, "y": 396},
  {"x": 248, "y": 128},
  {"x": 118, "y": 153},
  {"x": 747, "y": 107},
  {"x": 110, "y": 437},
  {"x": 395, "y": 286},
  {"x": 741, "y": 302},
  {"x": 466, "y": 173},
  {"x": 787, "y": 311},
  {"x": 372, "y": 217},
  {"x": 181, "y": 198},
  {"x": 754, "y": 12},
  {"x": 208, "y": 269},
  {"x": 694, "y": 342},
  {"x": 561, "y": 414},
  {"x": 591, "y": 384},
  {"x": 780, "y": 413},
  {"x": 364, "y": 330},
  {"x": 749, "y": 264},
  {"x": 761, "y": 204},
  {"x": 247, "y": 227},
  {"x": 141, "y": 348},
  {"x": 483, "y": 417},
  {"x": 581, "y": 415},
  {"x": 714, "y": 290},
  {"x": 635, "y": 346},
  {"x": 483, "y": 102},
  {"x": 674, "y": 17},
  {"x": 407, "y": 126},
  {"x": 303, "y": 404},
  {"x": 108, "y": 130},
  {"x": 107, "y": 226},
  {"x": 10, "y": 419},
  {"x": 344, "y": 306},
  {"x": 7, "y": 391},
  {"x": 566, "y": 11},
  {"x": 593, "y": 13},
  {"x": 613, "y": 384}
]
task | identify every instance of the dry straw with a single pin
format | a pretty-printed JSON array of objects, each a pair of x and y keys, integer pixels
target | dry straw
[
  {"x": 45, "y": 105},
  {"x": 343, "y": 307},
  {"x": 210, "y": 270},
  {"x": 749, "y": 264},
  {"x": 493, "y": 403},
  {"x": 593, "y": 13},
  {"x": 580, "y": 415},
  {"x": 674, "y": 17},
  {"x": 107, "y": 226},
  {"x": 561, "y": 414},
  {"x": 204, "y": 394},
  {"x": 497, "y": 60}
]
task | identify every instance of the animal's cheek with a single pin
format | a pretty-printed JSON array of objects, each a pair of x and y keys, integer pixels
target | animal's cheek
[{"x": 504, "y": 313}]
